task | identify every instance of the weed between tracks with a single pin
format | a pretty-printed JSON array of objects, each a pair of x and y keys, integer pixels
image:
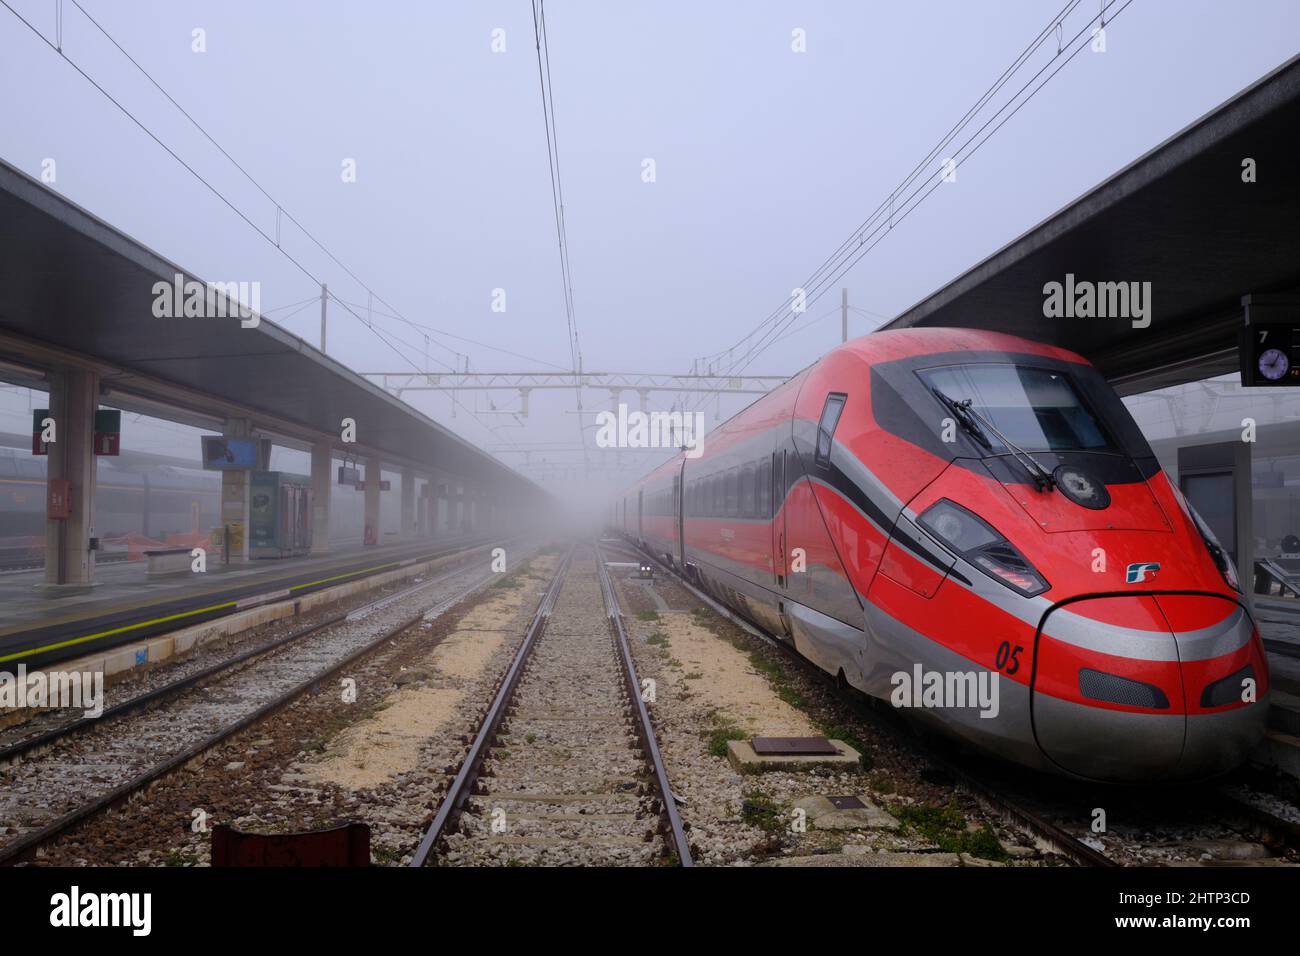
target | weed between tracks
[
  {"x": 724, "y": 730},
  {"x": 946, "y": 828},
  {"x": 761, "y": 811},
  {"x": 932, "y": 817}
]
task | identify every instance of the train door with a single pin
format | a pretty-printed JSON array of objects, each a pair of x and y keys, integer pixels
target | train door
[
  {"x": 679, "y": 512},
  {"x": 780, "y": 552},
  {"x": 777, "y": 511}
]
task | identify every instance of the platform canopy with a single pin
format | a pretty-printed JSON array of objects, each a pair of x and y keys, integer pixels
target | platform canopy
[
  {"x": 71, "y": 282},
  {"x": 1180, "y": 217}
]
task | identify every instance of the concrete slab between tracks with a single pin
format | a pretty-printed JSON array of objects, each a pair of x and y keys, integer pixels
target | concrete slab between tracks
[
  {"x": 741, "y": 756},
  {"x": 825, "y": 815}
]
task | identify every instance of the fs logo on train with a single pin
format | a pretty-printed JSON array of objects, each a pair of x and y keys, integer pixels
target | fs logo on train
[{"x": 1137, "y": 573}]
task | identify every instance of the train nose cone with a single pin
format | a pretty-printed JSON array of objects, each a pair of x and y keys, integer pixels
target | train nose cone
[
  {"x": 1148, "y": 687},
  {"x": 1225, "y": 677}
]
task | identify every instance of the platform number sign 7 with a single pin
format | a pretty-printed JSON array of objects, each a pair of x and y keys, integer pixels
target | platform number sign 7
[{"x": 1008, "y": 657}]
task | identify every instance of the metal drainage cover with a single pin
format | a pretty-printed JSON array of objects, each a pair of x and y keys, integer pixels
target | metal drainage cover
[
  {"x": 793, "y": 747},
  {"x": 848, "y": 803}
]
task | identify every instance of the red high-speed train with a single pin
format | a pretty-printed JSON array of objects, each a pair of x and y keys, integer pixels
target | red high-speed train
[{"x": 924, "y": 508}]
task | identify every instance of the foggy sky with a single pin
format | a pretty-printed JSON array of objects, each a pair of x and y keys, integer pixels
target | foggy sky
[{"x": 765, "y": 159}]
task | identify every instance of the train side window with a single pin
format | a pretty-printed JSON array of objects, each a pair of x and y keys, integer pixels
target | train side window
[
  {"x": 733, "y": 491},
  {"x": 715, "y": 495},
  {"x": 763, "y": 496},
  {"x": 826, "y": 427},
  {"x": 747, "y": 490}
]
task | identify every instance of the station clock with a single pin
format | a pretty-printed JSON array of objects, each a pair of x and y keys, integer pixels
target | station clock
[{"x": 1269, "y": 345}]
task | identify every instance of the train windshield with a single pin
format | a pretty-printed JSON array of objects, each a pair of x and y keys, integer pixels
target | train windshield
[{"x": 1036, "y": 409}]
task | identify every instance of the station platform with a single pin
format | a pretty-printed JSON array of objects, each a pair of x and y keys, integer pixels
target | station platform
[
  {"x": 1279, "y": 626},
  {"x": 38, "y": 627}
]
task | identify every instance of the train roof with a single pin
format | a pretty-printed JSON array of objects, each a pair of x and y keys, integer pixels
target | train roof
[{"x": 882, "y": 346}]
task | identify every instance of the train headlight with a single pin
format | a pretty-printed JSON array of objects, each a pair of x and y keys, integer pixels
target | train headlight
[
  {"x": 983, "y": 546},
  {"x": 1217, "y": 554}
]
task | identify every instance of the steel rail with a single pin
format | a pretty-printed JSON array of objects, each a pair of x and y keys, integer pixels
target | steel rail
[
  {"x": 644, "y": 729},
  {"x": 462, "y": 786},
  {"x": 29, "y": 842},
  {"x": 1059, "y": 839},
  {"x": 26, "y": 746}
]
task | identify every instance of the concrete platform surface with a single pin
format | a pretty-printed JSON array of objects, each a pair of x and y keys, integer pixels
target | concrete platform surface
[
  {"x": 1284, "y": 673},
  {"x": 33, "y": 617}
]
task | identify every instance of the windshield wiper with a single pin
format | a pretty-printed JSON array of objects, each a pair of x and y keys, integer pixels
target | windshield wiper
[
  {"x": 964, "y": 416},
  {"x": 1044, "y": 480}
]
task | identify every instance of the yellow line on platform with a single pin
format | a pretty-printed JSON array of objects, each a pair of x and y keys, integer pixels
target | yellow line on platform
[{"x": 180, "y": 614}]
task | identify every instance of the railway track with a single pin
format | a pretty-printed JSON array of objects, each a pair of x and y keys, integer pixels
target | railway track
[
  {"x": 1212, "y": 825},
  {"x": 20, "y": 566},
  {"x": 47, "y": 727},
  {"x": 63, "y": 778},
  {"x": 1206, "y": 825},
  {"x": 565, "y": 768}
]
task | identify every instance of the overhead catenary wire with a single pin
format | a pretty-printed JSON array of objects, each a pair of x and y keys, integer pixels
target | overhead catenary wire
[
  {"x": 281, "y": 211},
  {"x": 424, "y": 327},
  {"x": 809, "y": 324},
  {"x": 898, "y": 213},
  {"x": 274, "y": 241},
  {"x": 285, "y": 318},
  {"x": 280, "y": 308},
  {"x": 934, "y": 151},
  {"x": 557, "y": 201}
]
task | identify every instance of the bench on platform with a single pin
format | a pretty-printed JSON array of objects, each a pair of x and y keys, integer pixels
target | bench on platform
[{"x": 164, "y": 561}]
